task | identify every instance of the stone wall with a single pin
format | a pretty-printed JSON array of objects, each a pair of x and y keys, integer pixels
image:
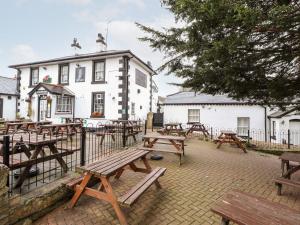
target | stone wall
[
  {"x": 4, "y": 209},
  {"x": 25, "y": 208}
]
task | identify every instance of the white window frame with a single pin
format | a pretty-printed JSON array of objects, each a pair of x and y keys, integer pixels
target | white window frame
[
  {"x": 99, "y": 74},
  {"x": 64, "y": 105},
  {"x": 194, "y": 115},
  {"x": 99, "y": 103},
  {"x": 34, "y": 76},
  {"x": 64, "y": 74},
  {"x": 242, "y": 128}
]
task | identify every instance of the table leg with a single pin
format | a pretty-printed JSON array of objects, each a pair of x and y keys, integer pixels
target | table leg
[
  {"x": 289, "y": 172},
  {"x": 224, "y": 221},
  {"x": 80, "y": 190},
  {"x": 60, "y": 160}
]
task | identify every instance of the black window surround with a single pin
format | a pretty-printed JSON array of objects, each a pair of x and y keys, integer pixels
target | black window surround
[
  {"x": 94, "y": 81},
  {"x": 60, "y": 66},
  {"x": 31, "y": 73},
  {"x": 93, "y": 113}
]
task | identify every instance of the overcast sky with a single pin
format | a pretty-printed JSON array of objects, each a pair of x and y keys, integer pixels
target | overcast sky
[{"x": 42, "y": 29}]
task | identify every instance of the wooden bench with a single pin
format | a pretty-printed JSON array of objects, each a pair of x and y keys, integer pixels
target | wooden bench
[
  {"x": 179, "y": 153},
  {"x": 280, "y": 181},
  {"x": 134, "y": 193},
  {"x": 246, "y": 209}
]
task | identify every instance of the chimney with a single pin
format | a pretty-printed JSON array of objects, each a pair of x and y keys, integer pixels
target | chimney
[{"x": 102, "y": 44}]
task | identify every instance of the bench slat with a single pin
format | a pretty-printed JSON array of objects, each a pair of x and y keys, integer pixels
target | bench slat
[
  {"x": 293, "y": 183},
  {"x": 132, "y": 195},
  {"x": 162, "y": 150}
]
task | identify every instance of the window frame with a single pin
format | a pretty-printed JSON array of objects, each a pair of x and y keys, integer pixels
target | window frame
[
  {"x": 38, "y": 76},
  {"x": 92, "y": 104},
  {"x": 193, "y": 116},
  {"x": 71, "y": 105},
  {"x": 248, "y": 127},
  {"x": 59, "y": 73},
  {"x": 94, "y": 71}
]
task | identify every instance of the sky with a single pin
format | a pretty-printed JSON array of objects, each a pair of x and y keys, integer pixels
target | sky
[{"x": 43, "y": 29}]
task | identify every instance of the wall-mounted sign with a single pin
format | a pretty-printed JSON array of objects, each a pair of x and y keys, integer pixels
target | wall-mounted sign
[{"x": 41, "y": 92}]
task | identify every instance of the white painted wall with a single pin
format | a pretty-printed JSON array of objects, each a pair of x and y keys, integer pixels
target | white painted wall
[
  {"x": 9, "y": 107},
  {"x": 83, "y": 90},
  {"x": 218, "y": 116}
]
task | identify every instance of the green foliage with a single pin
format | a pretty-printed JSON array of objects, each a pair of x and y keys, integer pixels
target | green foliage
[{"x": 248, "y": 49}]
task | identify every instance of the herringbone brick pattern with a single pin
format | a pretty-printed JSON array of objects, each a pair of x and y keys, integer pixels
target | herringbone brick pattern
[{"x": 188, "y": 191}]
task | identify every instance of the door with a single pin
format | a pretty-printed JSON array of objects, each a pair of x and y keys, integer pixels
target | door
[
  {"x": 295, "y": 131},
  {"x": 42, "y": 108},
  {"x": 1, "y": 108}
]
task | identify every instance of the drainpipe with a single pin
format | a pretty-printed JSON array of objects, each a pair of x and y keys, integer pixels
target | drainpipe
[
  {"x": 126, "y": 69},
  {"x": 18, "y": 89},
  {"x": 266, "y": 136}
]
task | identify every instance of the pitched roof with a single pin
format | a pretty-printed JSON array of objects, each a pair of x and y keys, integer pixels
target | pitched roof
[
  {"x": 53, "y": 89},
  {"x": 189, "y": 98},
  {"x": 8, "y": 86},
  {"x": 78, "y": 57},
  {"x": 282, "y": 113}
]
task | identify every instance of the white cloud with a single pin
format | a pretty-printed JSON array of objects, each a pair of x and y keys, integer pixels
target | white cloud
[
  {"x": 138, "y": 3},
  {"x": 22, "y": 53}
]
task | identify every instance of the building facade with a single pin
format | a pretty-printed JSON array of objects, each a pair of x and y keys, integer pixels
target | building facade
[
  {"x": 96, "y": 86},
  {"x": 8, "y": 98}
]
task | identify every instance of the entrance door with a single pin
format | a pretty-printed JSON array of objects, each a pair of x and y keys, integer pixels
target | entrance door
[
  {"x": 1, "y": 108},
  {"x": 295, "y": 132},
  {"x": 42, "y": 108}
]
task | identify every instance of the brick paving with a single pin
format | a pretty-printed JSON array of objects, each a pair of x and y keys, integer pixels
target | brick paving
[{"x": 188, "y": 191}]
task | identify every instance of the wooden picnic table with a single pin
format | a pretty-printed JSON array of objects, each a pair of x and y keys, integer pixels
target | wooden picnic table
[
  {"x": 54, "y": 129},
  {"x": 172, "y": 129},
  {"x": 198, "y": 127},
  {"x": 247, "y": 209},
  {"x": 290, "y": 164},
  {"x": 115, "y": 165},
  {"x": 32, "y": 146},
  {"x": 113, "y": 129},
  {"x": 24, "y": 126},
  {"x": 228, "y": 136},
  {"x": 177, "y": 142}
]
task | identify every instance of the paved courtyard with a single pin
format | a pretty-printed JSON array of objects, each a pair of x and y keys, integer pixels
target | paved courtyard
[{"x": 188, "y": 191}]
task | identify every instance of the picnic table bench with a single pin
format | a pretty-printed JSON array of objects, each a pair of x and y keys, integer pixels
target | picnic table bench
[
  {"x": 290, "y": 164},
  {"x": 176, "y": 142},
  {"x": 70, "y": 129},
  {"x": 247, "y": 209},
  {"x": 199, "y": 127},
  {"x": 32, "y": 146},
  {"x": 230, "y": 137},
  {"x": 114, "y": 129},
  {"x": 115, "y": 165}
]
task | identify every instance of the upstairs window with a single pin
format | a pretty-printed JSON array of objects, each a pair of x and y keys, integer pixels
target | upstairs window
[
  {"x": 64, "y": 74},
  {"x": 243, "y": 125},
  {"x": 194, "y": 115},
  {"x": 132, "y": 108},
  {"x": 64, "y": 104},
  {"x": 34, "y": 76},
  {"x": 99, "y": 71}
]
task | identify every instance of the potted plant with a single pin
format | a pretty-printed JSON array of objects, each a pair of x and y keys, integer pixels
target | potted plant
[
  {"x": 96, "y": 114},
  {"x": 47, "y": 79}
]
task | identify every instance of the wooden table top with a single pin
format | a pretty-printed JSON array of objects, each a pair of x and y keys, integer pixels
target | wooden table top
[
  {"x": 61, "y": 125},
  {"x": 294, "y": 157},
  {"x": 34, "y": 139},
  {"x": 112, "y": 163},
  {"x": 172, "y": 124},
  {"x": 244, "y": 208},
  {"x": 229, "y": 132},
  {"x": 165, "y": 137}
]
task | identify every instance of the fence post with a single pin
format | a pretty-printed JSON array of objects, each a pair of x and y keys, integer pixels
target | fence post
[
  {"x": 211, "y": 133},
  {"x": 6, "y": 153},
  {"x": 83, "y": 145},
  {"x": 124, "y": 134},
  {"x": 145, "y": 130},
  {"x": 289, "y": 139},
  {"x": 248, "y": 138}
]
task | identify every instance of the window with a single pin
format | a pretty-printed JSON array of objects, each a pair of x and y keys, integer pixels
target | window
[
  {"x": 63, "y": 104},
  {"x": 140, "y": 78},
  {"x": 80, "y": 74},
  {"x": 34, "y": 76},
  {"x": 243, "y": 125},
  {"x": 64, "y": 74},
  {"x": 132, "y": 108},
  {"x": 138, "y": 91},
  {"x": 98, "y": 104},
  {"x": 274, "y": 128},
  {"x": 99, "y": 71},
  {"x": 194, "y": 115}
]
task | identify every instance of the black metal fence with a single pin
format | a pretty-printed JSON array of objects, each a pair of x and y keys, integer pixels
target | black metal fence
[{"x": 36, "y": 159}]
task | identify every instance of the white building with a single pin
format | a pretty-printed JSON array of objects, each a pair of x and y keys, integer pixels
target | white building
[
  {"x": 8, "y": 98},
  {"x": 101, "y": 85},
  {"x": 221, "y": 112}
]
